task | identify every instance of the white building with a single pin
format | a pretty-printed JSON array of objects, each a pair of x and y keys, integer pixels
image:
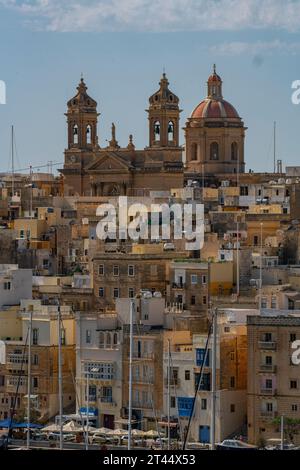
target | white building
[
  {"x": 15, "y": 284},
  {"x": 98, "y": 368}
]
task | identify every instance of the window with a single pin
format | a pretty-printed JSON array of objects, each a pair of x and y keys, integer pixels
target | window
[
  {"x": 22, "y": 234},
  {"x": 293, "y": 337},
  {"x": 214, "y": 151},
  {"x": 170, "y": 131},
  {"x": 63, "y": 336},
  {"x": 204, "y": 279},
  {"x": 194, "y": 278},
  {"x": 101, "y": 291},
  {"x": 200, "y": 355},
  {"x": 157, "y": 131},
  {"x": 116, "y": 270},
  {"x": 115, "y": 339},
  {"x": 232, "y": 356},
  {"x": 35, "y": 336},
  {"x": 99, "y": 370},
  {"x": 2, "y": 380},
  {"x": 269, "y": 383},
  {"x": 35, "y": 360},
  {"x": 88, "y": 134},
  {"x": 101, "y": 269},
  {"x": 7, "y": 285},
  {"x": 264, "y": 302},
  {"x": 203, "y": 403},
  {"x": 187, "y": 375},
  {"x": 294, "y": 407},
  {"x": 75, "y": 134},
  {"x": 193, "y": 300},
  {"x": 234, "y": 151},
  {"x": 268, "y": 360},
  {"x": 205, "y": 384},
  {"x": 268, "y": 337},
  {"x": 244, "y": 191},
  {"x": 101, "y": 339},
  {"x": 108, "y": 340},
  {"x": 88, "y": 336},
  {"x": 273, "y": 302},
  {"x": 204, "y": 300},
  {"x": 173, "y": 402},
  {"x": 116, "y": 292},
  {"x": 293, "y": 384},
  {"x": 130, "y": 270},
  {"x": 269, "y": 406},
  {"x": 194, "y": 152},
  {"x": 35, "y": 382},
  {"x": 232, "y": 382},
  {"x": 232, "y": 408},
  {"x": 131, "y": 292}
]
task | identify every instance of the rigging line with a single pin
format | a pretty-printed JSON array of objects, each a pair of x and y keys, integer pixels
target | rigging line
[
  {"x": 17, "y": 389},
  {"x": 198, "y": 385},
  {"x": 36, "y": 166}
]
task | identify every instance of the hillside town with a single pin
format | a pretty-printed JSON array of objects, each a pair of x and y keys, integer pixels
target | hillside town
[{"x": 141, "y": 337}]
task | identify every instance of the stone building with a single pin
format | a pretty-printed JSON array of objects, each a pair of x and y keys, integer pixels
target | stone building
[
  {"x": 273, "y": 379},
  {"x": 214, "y": 135},
  {"x": 92, "y": 170}
]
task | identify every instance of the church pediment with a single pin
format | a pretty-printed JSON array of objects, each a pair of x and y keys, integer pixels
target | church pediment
[{"x": 108, "y": 163}]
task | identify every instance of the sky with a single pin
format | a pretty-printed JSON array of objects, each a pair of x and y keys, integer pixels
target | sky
[{"x": 122, "y": 47}]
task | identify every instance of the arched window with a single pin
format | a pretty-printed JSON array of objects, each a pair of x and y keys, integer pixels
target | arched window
[
  {"x": 170, "y": 131},
  {"x": 234, "y": 151},
  {"x": 194, "y": 153},
  {"x": 115, "y": 338},
  {"x": 157, "y": 131},
  {"x": 75, "y": 134},
  {"x": 88, "y": 134},
  {"x": 214, "y": 151},
  {"x": 101, "y": 339},
  {"x": 108, "y": 340}
]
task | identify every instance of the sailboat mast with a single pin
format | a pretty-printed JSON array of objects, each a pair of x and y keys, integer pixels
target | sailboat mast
[
  {"x": 12, "y": 162},
  {"x": 130, "y": 374}
]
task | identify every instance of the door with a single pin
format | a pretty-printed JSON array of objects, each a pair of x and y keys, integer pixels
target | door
[
  {"x": 109, "y": 421},
  {"x": 204, "y": 434}
]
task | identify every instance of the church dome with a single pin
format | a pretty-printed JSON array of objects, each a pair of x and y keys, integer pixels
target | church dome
[
  {"x": 210, "y": 108},
  {"x": 214, "y": 106}
]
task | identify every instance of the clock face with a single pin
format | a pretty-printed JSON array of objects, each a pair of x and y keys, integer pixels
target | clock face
[{"x": 72, "y": 159}]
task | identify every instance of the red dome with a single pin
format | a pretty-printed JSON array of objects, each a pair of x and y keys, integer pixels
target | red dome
[{"x": 210, "y": 108}]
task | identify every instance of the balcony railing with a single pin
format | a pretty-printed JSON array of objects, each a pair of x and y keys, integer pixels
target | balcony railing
[
  {"x": 268, "y": 391},
  {"x": 139, "y": 355},
  {"x": 172, "y": 381},
  {"x": 142, "y": 404},
  {"x": 267, "y": 344},
  {"x": 267, "y": 368},
  {"x": 176, "y": 285},
  {"x": 108, "y": 402},
  {"x": 268, "y": 414}
]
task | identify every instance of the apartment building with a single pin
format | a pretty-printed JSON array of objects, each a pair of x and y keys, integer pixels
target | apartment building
[
  {"x": 15, "y": 284},
  {"x": 99, "y": 368},
  {"x": 273, "y": 379},
  {"x": 44, "y": 361}
]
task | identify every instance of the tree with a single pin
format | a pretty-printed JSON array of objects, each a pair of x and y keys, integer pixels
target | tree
[{"x": 291, "y": 427}]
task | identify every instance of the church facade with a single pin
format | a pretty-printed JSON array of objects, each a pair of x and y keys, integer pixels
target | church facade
[{"x": 214, "y": 145}]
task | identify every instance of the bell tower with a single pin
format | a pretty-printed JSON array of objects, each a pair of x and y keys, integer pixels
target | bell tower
[
  {"x": 82, "y": 120},
  {"x": 163, "y": 115}
]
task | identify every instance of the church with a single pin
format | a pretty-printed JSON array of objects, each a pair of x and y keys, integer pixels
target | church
[{"x": 214, "y": 146}]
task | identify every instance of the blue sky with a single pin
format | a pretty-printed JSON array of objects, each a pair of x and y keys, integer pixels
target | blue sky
[{"x": 122, "y": 46}]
